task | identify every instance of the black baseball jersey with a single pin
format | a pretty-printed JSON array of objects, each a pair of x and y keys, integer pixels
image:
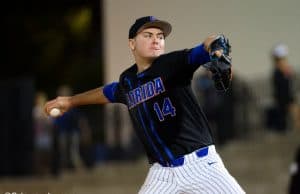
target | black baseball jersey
[{"x": 165, "y": 113}]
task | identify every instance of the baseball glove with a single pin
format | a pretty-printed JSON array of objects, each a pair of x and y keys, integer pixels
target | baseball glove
[{"x": 220, "y": 66}]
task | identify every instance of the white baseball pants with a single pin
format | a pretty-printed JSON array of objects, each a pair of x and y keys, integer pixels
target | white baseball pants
[{"x": 206, "y": 174}]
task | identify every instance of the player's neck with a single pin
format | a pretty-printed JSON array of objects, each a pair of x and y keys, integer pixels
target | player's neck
[{"x": 143, "y": 64}]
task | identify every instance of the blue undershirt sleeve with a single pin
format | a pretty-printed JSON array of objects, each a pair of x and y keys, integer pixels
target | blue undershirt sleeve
[
  {"x": 198, "y": 55},
  {"x": 109, "y": 91}
]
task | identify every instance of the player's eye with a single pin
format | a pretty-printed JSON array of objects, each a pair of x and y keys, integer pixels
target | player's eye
[
  {"x": 161, "y": 36},
  {"x": 147, "y": 35}
]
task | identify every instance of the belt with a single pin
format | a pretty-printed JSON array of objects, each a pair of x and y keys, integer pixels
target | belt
[{"x": 180, "y": 161}]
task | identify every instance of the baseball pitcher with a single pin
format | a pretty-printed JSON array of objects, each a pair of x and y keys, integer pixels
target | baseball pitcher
[{"x": 166, "y": 116}]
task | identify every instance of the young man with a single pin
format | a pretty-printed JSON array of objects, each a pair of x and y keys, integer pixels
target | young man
[{"x": 165, "y": 113}]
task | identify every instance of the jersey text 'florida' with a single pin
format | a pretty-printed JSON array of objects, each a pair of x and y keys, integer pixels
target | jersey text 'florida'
[{"x": 145, "y": 92}]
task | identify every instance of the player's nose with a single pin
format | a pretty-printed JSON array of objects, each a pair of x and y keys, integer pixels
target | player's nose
[{"x": 155, "y": 39}]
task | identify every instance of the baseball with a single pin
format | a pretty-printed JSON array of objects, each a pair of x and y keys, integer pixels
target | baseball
[{"x": 55, "y": 112}]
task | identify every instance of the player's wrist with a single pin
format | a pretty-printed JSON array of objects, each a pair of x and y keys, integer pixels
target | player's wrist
[{"x": 71, "y": 100}]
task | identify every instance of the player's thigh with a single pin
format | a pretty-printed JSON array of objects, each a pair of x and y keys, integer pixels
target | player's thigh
[
  {"x": 221, "y": 179},
  {"x": 159, "y": 187},
  {"x": 159, "y": 180},
  {"x": 208, "y": 175}
]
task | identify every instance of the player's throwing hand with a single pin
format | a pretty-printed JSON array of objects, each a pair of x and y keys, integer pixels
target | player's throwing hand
[{"x": 63, "y": 104}]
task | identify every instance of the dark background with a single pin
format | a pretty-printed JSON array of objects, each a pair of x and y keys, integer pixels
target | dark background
[
  {"x": 53, "y": 42},
  {"x": 45, "y": 44}
]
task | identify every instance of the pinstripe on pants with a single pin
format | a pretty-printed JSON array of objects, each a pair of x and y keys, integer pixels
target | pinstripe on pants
[{"x": 197, "y": 175}]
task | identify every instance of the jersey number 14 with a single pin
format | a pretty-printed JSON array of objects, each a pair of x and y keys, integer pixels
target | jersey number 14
[{"x": 165, "y": 110}]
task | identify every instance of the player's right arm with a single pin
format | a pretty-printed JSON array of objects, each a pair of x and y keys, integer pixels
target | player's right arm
[{"x": 101, "y": 95}]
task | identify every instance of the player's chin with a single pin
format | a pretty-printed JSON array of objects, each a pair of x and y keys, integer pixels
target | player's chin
[{"x": 156, "y": 54}]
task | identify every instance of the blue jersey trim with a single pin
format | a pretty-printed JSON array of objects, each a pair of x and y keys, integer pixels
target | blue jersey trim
[
  {"x": 198, "y": 55},
  {"x": 142, "y": 74},
  {"x": 167, "y": 150},
  {"x": 148, "y": 137},
  {"x": 145, "y": 129},
  {"x": 170, "y": 155},
  {"x": 109, "y": 91}
]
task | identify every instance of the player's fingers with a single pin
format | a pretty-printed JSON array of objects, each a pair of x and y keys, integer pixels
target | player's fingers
[
  {"x": 61, "y": 102},
  {"x": 50, "y": 105},
  {"x": 208, "y": 41},
  {"x": 218, "y": 53}
]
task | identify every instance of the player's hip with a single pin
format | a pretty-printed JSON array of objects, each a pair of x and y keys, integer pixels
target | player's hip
[{"x": 197, "y": 155}]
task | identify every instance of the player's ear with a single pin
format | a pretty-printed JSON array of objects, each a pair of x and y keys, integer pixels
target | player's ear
[{"x": 131, "y": 44}]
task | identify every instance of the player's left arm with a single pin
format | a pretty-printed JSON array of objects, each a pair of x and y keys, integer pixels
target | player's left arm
[
  {"x": 183, "y": 63},
  {"x": 201, "y": 54},
  {"x": 198, "y": 56},
  {"x": 220, "y": 62},
  {"x": 213, "y": 54}
]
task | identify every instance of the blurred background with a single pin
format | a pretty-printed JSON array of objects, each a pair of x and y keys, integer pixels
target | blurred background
[{"x": 64, "y": 47}]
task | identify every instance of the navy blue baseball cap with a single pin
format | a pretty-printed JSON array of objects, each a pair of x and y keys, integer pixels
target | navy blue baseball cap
[{"x": 148, "y": 22}]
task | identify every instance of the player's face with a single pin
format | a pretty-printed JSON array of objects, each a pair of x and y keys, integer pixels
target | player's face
[{"x": 149, "y": 43}]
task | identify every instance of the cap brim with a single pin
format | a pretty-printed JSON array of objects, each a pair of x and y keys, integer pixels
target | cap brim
[{"x": 163, "y": 25}]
